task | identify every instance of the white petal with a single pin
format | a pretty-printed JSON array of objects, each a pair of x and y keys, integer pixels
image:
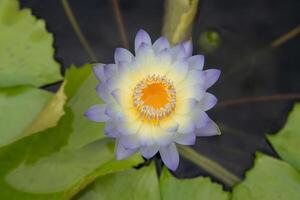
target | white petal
[
  {"x": 164, "y": 57},
  {"x": 198, "y": 92},
  {"x": 178, "y": 71},
  {"x": 193, "y": 77},
  {"x": 186, "y": 106},
  {"x": 186, "y": 123},
  {"x": 145, "y": 54},
  {"x": 146, "y": 134},
  {"x": 169, "y": 125},
  {"x": 160, "y": 44}
]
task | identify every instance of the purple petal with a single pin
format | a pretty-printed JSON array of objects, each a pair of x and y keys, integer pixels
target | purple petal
[
  {"x": 170, "y": 156},
  {"x": 111, "y": 83},
  {"x": 122, "y": 152},
  {"x": 111, "y": 131},
  {"x": 123, "y": 55},
  {"x": 188, "y": 47},
  {"x": 178, "y": 52},
  {"x": 211, "y": 76},
  {"x": 99, "y": 72},
  {"x": 103, "y": 92},
  {"x": 123, "y": 67},
  {"x": 110, "y": 70},
  {"x": 149, "y": 152},
  {"x": 199, "y": 92},
  {"x": 117, "y": 95},
  {"x": 141, "y": 37},
  {"x": 113, "y": 111},
  {"x": 196, "y": 62},
  {"x": 97, "y": 113},
  {"x": 210, "y": 129},
  {"x": 160, "y": 44},
  {"x": 186, "y": 139},
  {"x": 208, "y": 101},
  {"x": 201, "y": 119},
  {"x": 130, "y": 141}
]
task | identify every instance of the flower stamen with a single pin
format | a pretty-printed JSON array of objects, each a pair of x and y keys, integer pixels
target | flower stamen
[{"x": 154, "y": 97}]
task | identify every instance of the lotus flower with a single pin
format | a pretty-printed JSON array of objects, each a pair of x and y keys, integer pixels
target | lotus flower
[{"x": 155, "y": 99}]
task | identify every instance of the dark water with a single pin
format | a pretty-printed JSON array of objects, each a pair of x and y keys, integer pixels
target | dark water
[{"x": 249, "y": 67}]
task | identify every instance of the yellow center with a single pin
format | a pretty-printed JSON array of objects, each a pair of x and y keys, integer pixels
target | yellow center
[
  {"x": 154, "y": 98},
  {"x": 155, "y": 95}
]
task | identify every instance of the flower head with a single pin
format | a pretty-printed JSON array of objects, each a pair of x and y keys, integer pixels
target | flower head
[{"x": 155, "y": 99}]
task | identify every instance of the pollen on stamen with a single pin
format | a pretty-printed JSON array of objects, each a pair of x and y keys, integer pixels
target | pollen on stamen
[{"x": 154, "y": 97}]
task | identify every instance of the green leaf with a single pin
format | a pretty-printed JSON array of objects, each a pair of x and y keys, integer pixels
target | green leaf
[
  {"x": 51, "y": 114},
  {"x": 19, "y": 107},
  {"x": 178, "y": 19},
  {"x": 81, "y": 93},
  {"x": 269, "y": 179},
  {"x": 132, "y": 184},
  {"x": 195, "y": 188},
  {"x": 58, "y": 162},
  {"x": 25, "y": 48},
  {"x": 287, "y": 141}
]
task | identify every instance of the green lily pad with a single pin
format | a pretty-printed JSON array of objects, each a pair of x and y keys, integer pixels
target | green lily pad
[
  {"x": 26, "y": 49},
  {"x": 178, "y": 19},
  {"x": 60, "y": 161},
  {"x": 287, "y": 141},
  {"x": 19, "y": 107},
  {"x": 195, "y": 188},
  {"x": 127, "y": 185},
  {"x": 269, "y": 179}
]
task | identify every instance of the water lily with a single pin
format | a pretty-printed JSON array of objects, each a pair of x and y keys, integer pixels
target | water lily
[{"x": 155, "y": 99}]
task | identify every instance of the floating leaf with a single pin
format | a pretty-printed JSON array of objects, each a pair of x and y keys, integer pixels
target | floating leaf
[
  {"x": 269, "y": 179},
  {"x": 25, "y": 48},
  {"x": 58, "y": 162},
  {"x": 287, "y": 141},
  {"x": 127, "y": 185},
  {"x": 195, "y": 188},
  {"x": 19, "y": 107},
  {"x": 178, "y": 19}
]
